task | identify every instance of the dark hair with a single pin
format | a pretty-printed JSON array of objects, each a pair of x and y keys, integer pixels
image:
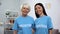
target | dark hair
[{"x": 40, "y": 4}]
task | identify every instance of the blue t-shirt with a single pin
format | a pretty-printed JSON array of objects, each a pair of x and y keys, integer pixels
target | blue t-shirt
[
  {"x": 43, "y": 24},
  {"x": 23, "y": 25}
]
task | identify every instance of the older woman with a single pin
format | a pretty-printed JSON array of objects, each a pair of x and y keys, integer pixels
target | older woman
[{"x": 23, "y": 24}]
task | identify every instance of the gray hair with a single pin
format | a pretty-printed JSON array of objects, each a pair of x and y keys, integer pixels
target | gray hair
[{"x": 25, "y": 5}]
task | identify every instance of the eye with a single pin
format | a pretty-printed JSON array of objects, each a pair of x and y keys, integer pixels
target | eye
[
  {"x": 27, "y": 8},
  {"x": 23, "y": 8}
]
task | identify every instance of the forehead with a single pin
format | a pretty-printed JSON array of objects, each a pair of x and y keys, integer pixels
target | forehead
[{"x": 37, "y": 6}]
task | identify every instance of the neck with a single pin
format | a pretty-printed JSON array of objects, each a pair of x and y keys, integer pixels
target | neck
[
  {"x": 24, "y": 15},
  {"x": 41, "y": 15}
]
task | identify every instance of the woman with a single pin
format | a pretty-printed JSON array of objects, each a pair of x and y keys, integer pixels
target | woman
[
  {"x": 43, "y": 24},
  {"x": 23, "y": 24}
]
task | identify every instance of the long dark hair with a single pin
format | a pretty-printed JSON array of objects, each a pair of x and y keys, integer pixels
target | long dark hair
[{"x": 40, "y": 4}]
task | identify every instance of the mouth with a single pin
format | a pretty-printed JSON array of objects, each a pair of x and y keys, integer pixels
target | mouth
[{"x": 39, "y": 12}]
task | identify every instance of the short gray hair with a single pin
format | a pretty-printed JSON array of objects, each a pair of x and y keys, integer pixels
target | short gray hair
[{"x": 25, "y": 5}]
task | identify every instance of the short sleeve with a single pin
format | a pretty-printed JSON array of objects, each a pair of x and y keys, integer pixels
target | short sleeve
[
  {"x": 15, "y": 25},
  {"x": 34, "y": 28},
  {"x": 50, "y": 25},
  {"x": 33, "y": 24}
]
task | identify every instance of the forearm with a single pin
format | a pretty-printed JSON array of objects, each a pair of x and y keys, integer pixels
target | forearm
[
  {"x": 33, "y": 31},
  {"x": 50, "y": 31},
  {"x": 15, "y": 32}
]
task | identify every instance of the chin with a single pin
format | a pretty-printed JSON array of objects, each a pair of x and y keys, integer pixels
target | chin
[{"x": 25, "y": 14}]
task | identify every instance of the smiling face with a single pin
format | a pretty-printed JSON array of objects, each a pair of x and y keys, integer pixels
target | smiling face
[
  {"x": 25, "y": 10},
  {"x": 39, "y": 9}
]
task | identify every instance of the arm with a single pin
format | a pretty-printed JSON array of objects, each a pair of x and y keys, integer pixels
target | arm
[
  {"x": 50, "y": 26},
  {"x": 50, "y": 31},
  {"x": 14, "y": 32},
  {"x": 33, "y": 31},
  {"x": 15, "y": 27}
]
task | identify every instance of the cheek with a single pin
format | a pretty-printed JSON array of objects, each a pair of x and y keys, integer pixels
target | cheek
[
  {"x": 26, "y": 11},
  {"x": 22, "y": 10},
  {"x": 39, "y": 12}
]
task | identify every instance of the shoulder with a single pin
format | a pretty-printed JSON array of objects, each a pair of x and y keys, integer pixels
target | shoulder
[
  {"x": 48, "y": 17},
  {"x": 17, "y": 17},
  {"x": 37, "y": 19},
  {"x": 30, "y": 17},
  {"x": 45, "y": 17}
]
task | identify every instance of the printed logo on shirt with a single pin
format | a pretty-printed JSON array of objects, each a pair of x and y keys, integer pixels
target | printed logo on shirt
[
  {"x": 41, "y": 26},
  {"x": 25, "y": 25}
]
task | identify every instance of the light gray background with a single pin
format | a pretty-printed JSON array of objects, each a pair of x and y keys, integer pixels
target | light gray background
[{"x": 14, "y": 5}]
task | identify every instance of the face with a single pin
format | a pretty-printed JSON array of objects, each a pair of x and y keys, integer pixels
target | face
[
  {"x": 39, "y": 9},
  {"x": 25, "y": 10}
]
